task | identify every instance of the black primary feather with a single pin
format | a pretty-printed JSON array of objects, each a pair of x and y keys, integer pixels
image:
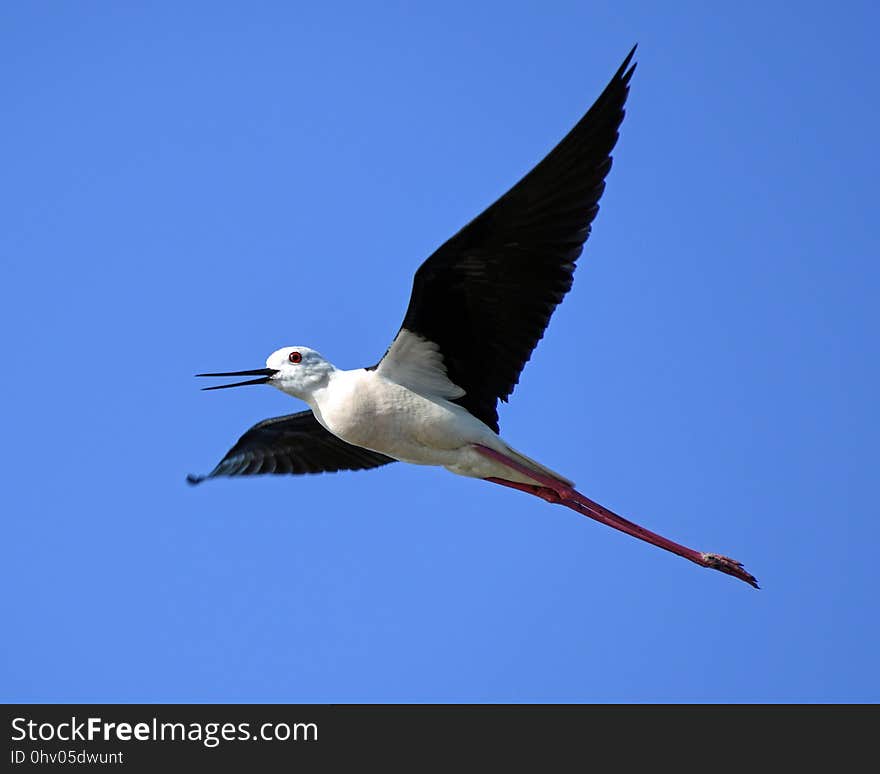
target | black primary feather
[
  {"x": 296, "y": 443},
  {"x": 486, "y": 295}
]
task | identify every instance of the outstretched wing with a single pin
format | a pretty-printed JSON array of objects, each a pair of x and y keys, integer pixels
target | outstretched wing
[
  {"x": 484, "y": 298},
  {"x": 296, "y": 443}
]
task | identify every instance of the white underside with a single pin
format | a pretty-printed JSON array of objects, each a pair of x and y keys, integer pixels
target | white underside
[{"x": 372, "y": 410}]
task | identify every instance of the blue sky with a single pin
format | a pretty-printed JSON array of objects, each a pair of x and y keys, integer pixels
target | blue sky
[{"x": 189, "y": 187}]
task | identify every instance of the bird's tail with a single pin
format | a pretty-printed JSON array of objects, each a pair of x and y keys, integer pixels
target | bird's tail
[{"x": 535, "y": 467}]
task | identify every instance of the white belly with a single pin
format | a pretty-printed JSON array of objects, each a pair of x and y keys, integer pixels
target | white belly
[{"x": 367, "y": 410}]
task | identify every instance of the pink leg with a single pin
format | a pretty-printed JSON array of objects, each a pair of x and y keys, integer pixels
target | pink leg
[{"x": 554, "y": 491}]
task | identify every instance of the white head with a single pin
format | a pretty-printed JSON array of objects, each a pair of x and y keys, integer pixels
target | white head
[{"x": 298, "y": 371}]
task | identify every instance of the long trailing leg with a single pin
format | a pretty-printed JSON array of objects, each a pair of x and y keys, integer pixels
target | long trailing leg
[{"x": 555, "y": 491}]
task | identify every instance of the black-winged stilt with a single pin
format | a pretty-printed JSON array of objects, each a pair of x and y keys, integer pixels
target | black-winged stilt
[{"x": 479, "y": 305}]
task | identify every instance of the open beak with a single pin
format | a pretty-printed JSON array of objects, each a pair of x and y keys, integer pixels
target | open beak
[{"x": 264, "y": 373}]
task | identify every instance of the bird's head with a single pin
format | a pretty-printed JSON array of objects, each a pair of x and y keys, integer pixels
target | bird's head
[{"x": 298, "y": 371}]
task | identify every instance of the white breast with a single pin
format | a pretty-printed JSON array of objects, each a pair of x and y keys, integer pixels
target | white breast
[{"x": 367, "y": 409}]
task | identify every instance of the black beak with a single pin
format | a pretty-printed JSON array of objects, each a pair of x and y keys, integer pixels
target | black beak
[{"x": 264, "y": 373}]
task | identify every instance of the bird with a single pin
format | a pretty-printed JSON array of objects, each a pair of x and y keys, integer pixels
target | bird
[{"x": 479, "y": 305}]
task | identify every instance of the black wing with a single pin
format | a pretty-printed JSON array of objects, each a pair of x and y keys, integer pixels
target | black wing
[
  {"x": 486, "y": 296},
  {"x": 296, "y": 443}
]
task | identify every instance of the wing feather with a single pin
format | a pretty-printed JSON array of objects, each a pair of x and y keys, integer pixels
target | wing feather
[
  {"x": 295, "y": 443},
  {"x": 485, "y": 297}
]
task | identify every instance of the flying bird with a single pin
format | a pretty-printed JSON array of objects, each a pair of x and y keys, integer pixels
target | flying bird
[{"x": 479, "y": 305}]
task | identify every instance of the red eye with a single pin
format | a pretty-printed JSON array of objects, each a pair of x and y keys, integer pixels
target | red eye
[{"x": 295, "y": 357}]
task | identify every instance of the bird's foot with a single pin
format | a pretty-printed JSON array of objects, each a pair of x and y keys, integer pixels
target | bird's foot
[{"x": 729, "y": 566}]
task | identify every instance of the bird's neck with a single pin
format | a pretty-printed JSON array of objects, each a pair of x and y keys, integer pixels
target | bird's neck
[
  {"x": 311, "y": 382},
  {"x": 338, "y": 385}
]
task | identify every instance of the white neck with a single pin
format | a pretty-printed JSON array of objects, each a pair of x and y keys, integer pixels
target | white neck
[{"x": 306, "y": 381}]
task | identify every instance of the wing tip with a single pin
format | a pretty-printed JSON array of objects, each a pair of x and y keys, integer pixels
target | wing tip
[
  {"x": 622, "y": 71},
  {"x": 625, "y": 72},
  {"x": 193, "y": 479}
]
